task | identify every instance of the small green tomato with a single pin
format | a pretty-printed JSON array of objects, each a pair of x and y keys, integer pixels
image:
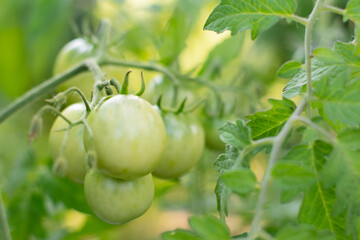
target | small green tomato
[
  {"x": 73, "y": 152},
  {"x": 185, "y": 144},
  {"x": 117, "y": 201}
]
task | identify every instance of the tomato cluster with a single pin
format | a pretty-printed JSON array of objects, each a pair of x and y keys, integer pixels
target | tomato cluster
[{"x": 130, "y": 140}]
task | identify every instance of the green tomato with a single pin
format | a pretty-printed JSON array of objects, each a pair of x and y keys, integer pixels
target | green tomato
[
  {"x": 117, "y": 201},
  {"x": 74, "y": 53},
  {"x": 185, "y": 144},
  {"x": 74, "y": 152},
  {"x": 129, "y": 136}
]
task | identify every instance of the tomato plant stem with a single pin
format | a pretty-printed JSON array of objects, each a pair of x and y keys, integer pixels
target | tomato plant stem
[
  {"x": 308, "y": 53},
  {"x": 299, "y": 19},
  {"x": 278, "y": 142},
  {"x": 142, "y": 65},
  {"x": 333, "y": 9},
  {"x": 317, "y": 128},
  {"x": 40, "y": 90},
  {"x": 4, "y": 227}
]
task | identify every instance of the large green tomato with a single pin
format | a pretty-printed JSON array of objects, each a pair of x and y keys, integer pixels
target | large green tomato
[
  {"x": 74, "y": 151},
  {"x": 185, "y": 144},
  {"x": 129, "y": 136},
  {"x": 118, "y": 201},
  {"x": 74, "y": 53}
]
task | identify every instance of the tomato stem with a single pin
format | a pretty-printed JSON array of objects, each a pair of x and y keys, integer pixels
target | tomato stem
[
  {"x": 115, "y": 83},
  {"x": 308, "y": 52},
  {"x": 333, "y": 9},
  {"x": 4, "y": 226},
  {"x": 82, "y": 96},
  {"x": 277, "y": 144}
]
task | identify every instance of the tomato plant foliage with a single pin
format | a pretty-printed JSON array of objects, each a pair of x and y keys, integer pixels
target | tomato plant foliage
[
  {"x": 307, "y": 143},
  {"x": 322, "y": 168}
]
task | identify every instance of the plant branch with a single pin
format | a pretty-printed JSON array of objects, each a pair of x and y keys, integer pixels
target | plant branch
[
  {"x": 39, "y": 90},
  {"x": 316, "y": 127},
  {"x": 308, "y": 52},
  {"x": 333, "y": 9},
  {"x": 299, "y": 19},
  {"x": 278, "y": 142},
  {"x": 142, "y": 65},
  {"x": 4, "y": 227}
]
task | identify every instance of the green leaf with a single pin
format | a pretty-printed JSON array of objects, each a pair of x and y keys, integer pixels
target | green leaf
[
  {"x": 343, "y": 105},
  {"x": 292, "y": 176},
  {"x": 180, "y": 234},
  {"x": 226, "y": 160},
  {"x": 341, "y": 65},
  {"x": 289, "y": 69},
  {"x": 318, "y": 204},
  {"x": 240, "y": 15},
  {"x": 222, "y": 193},
  {"x": 241, "y": 181},
  {"x": 270, "y": 122},
  {"x": 236, "y": 134},
  {"x": 209, "y": 228},
  {"x": 303, "y": 232},
  {"x": 352, "y": 11}
]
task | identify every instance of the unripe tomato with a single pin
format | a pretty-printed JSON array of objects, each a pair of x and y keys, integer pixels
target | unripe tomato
[
  {"x": 117, "y": 201},
  {"x": 74, "y": 151},
  {"x": 129, "y": 136},
  {"x": 74, "y": 53},
  {"x": 185, "y": 144}
]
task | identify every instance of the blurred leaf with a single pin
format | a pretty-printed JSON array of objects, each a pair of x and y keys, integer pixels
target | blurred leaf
[
  {"x": 236, "y": 134},
  {"x": 221, "y": 55},
  {"x": 303, "y": 232},
  {"x": 180, "y": 234},
  {"x": 93, "y": 226},
  {"x": 178, "y": 29},
  {"x": 270, "y": 122},
  {"x": 241, "y": 181},
  {"x": 209, "y": 228},
  {"x": 289, "y": 69},
  {"x": 63, "y": 190},
  {"x": 240, "y": 15}
]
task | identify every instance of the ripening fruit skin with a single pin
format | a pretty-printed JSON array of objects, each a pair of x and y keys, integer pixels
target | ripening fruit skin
[
  {"x": 74, "y": 151},
  {"x": 118, "y": 201},
  {"x": 129, "y": 136},
  {"x": 184, "y": 147}
]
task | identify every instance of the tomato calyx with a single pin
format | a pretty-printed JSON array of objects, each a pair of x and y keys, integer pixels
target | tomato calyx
[{"x": 180, "y": 108}]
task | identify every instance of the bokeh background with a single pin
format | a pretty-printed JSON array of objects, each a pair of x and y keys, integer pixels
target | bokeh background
[{"x": 32, "y": 32}]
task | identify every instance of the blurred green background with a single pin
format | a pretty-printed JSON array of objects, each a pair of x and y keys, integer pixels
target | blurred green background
[{"x": 32, "y": 32}]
